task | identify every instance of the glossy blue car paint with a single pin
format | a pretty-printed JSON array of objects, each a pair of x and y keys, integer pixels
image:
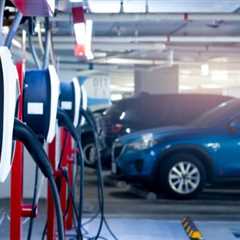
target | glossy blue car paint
[{"x": 215, "y": 137}]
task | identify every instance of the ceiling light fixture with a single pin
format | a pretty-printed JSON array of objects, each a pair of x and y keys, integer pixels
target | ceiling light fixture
[{"x": 204, "y": 69}]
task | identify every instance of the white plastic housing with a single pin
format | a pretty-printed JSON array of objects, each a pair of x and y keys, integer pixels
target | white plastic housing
[
  {"x": 84, "y": 101},
  {"x": 77, "y": 94},
  {"x": 10, "y": 94},
  {"x": 55, "y": 91}
]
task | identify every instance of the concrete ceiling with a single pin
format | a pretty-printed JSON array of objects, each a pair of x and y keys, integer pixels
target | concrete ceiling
[{"x": 189, "y": 33}]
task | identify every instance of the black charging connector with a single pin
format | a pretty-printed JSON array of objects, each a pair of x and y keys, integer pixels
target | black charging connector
[
  {"x": 24, "y": 134},
  {"x": 91, "y": 121},
  {"x": 65, "y": 121}
]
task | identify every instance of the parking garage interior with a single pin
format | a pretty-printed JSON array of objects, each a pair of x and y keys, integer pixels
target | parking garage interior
[{"x": 119, "y": 119}]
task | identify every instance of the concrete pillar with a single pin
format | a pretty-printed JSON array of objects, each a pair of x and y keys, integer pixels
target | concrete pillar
[{"x": 157, "y": 80}]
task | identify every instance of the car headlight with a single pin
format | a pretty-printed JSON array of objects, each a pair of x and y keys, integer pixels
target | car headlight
[{"x": 146, "y": 141}]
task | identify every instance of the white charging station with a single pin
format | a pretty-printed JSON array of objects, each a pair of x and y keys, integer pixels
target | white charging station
[{"x": 8, "y": 99}]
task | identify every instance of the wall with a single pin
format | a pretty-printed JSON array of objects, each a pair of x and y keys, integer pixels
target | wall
[{"x": 157, "y": 80}]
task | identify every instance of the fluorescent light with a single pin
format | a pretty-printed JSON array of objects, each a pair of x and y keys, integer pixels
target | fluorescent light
[
  {"x": 116, "y": 96},
  {"x": 185, "y": 72},
  {"x": 186, "y": 87},
  {"x": 79, "y": 29},
  {"x": 204, "y": 69},
  {"x": 76, "y": 1},
  {"x": 118, "y": 88},
  {"x": 83, "y": 34},
  {"x": 219, "y": 76},
  {"x": 211, "y": 86},
  {"x": 88, "y": 39}
]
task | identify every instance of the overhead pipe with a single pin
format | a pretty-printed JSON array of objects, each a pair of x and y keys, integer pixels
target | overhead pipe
[
  {"x": 2, "y": 6},
  {"x": 47, "y": 43},
  {"x": 168, "y": 39},
  {"x": 153, "y": 39},
  {"x": 120, "y": 47},
  {"x": 231, "y": 66},
  {"x": 13, "y": 30},
  {"x": 31, "y": 45},
  {"x": 154, "y": 17},
  {"x": 121, "y": 44}
]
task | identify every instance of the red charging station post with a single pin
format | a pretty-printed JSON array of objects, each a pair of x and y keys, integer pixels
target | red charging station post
[
  {"x": 69, "y": 220},
  {"x": 70, "y": 162},
  {"x": 17, "y": 174},
  {"x": 51, "y": 233},
  {"x": 63, "y": 192},
  {"x": 66, "y": 164}
]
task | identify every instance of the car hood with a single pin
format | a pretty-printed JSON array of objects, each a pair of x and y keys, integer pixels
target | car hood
[
  {"x": 156, "y": 132},
  {"x": 166, "y": 133}
]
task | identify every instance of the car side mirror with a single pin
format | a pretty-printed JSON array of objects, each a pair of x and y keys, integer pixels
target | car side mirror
[{"x": 234, "y": 126}]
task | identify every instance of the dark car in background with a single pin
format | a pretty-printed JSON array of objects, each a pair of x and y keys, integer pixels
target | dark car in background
[{"x": 146, "y": 111}]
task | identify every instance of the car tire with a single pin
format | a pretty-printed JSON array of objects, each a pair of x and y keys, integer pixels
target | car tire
[
  {"x": 182, "y": 176},
  {"x": 90, "y": 154}
]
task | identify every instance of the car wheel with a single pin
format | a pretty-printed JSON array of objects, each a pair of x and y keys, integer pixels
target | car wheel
[
  {"x": 183, "y": 176},
  {"x": 90, "y": 154}
]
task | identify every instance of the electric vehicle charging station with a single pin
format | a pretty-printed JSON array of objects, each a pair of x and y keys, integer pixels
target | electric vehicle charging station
[
  {"x": 44, "y": 105},
  {"x": 25, "y": 135},
  {"x": 39, "y": 112},
  {"x": 70, "y": 102},
  {"x": 40, "y": 94},
  {"x": 40, "y": 101},
  {"x": 18, "y": 131}
]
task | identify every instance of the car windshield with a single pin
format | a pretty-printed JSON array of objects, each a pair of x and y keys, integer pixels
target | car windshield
[{"x": 222, "y": 113}]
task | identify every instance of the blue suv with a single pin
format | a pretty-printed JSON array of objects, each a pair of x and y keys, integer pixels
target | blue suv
[{"x": 181, "y": 160}]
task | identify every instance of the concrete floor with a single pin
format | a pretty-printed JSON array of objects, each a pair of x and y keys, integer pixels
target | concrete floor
[{"x": 131, "y": 217}]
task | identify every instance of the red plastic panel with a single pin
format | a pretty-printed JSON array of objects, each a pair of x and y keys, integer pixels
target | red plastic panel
[
  {"x": 35, "y": 7},
  {"x": 78, "y": 14}
]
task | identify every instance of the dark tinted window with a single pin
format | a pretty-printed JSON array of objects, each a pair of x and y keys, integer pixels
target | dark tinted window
[
  {"x": 221, "y": 114},
  {"x": 150, "y": 111},
  {"x": 174, "y": 109}
]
